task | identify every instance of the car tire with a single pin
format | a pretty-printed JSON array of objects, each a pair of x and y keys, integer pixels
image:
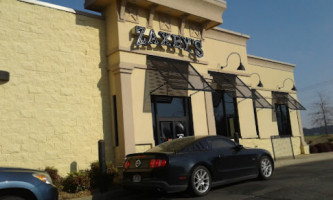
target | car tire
[
  {"x": 265, "y": 168},
  {"x": 11, "y": 198},
  {"x": 201, "y": 181}
]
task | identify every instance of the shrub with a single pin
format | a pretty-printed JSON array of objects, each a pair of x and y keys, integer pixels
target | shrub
[
  {"x": 323, "y": 147},
  {"x": 331, "y": 145},
  {"x": 76, "y": 182},
  {"x": 313, "y": 149},
  {"x": 95, "y": 173},
  {"x": 56, "y": 178}
]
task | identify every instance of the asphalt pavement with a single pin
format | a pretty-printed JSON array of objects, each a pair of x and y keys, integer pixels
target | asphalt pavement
[{"x": 305, "y": 177}]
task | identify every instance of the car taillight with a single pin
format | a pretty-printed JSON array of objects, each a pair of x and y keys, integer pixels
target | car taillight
[
  {"x": 127, "y": 165},
  {"x": 155, "y": 163}
]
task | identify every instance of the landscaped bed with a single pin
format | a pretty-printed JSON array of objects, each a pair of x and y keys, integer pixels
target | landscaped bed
[
  {"x": 82, "y": 183},
  {"x": 320, "y": 143}
]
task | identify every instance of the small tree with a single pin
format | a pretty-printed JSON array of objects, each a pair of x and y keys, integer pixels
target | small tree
[{"x": 322, "y": 115}]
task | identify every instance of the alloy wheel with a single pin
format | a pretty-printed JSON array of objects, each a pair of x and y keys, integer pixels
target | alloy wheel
[
  {"x": 201, "y": 181},
  {"x": 266, "y": 167}
]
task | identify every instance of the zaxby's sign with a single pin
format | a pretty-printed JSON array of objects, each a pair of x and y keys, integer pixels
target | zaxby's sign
[{"x": 170, "y": 40}]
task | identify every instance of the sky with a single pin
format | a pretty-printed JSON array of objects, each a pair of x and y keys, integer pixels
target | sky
[{"x": 293, "y": 31}]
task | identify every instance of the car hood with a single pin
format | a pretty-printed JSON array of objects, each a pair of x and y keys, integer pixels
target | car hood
[{"x": 22, "y": 170}]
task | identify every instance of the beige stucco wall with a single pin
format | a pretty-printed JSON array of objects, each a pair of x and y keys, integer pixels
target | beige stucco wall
[
  {"x": 272, "y": 76},
  {"x": 126, "y": 58},
  {"x": 56, "y": 105},
  {"x": 65, "y": 67},
  {"x": 218, "y": 44}
]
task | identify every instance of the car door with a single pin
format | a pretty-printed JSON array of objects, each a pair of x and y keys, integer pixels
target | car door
[
  {"x": 230, "y": 161},
  {"x": 225, "y": 158}
]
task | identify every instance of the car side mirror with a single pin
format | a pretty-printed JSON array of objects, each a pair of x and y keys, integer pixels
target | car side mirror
[{"x": 238, "y": 147}]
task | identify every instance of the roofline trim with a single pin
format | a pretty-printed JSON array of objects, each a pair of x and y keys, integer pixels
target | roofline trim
[
  {"x": 270, "y": 60},
  {"x": 62, "y": 8},
  {"x": 231, "y": 32}
]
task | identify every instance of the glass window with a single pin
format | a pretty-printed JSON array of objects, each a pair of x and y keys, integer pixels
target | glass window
[
  {"x": 226, "y": 116},
  {"x": 166, "y": 131},
  {"x": 174, "y": 145},
  {"x": 201, "y": 145},
  {"x": 170, "y": 107},
  {"x": 172, "y": 118},
  {"x": 115, "y": 120},
  {"x": 221, "y": 143},
  {"x": 283, "y": 119}
]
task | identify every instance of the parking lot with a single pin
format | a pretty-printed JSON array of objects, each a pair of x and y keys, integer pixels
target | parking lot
[{"x": 312, "y": 180}]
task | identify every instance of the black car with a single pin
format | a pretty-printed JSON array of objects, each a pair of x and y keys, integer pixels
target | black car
[{"x": 196, "y": 163}]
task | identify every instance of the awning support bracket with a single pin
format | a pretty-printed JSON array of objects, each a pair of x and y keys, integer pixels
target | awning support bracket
[{"x": 151, "y": 92}]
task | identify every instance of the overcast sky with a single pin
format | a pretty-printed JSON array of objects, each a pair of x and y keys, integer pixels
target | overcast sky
[{"x": 292, "y": 31}]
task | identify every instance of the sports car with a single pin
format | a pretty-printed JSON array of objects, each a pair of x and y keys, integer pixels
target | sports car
[{"x": 197, "y": 163}]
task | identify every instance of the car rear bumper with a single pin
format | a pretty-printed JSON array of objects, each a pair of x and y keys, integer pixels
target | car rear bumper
[{"x": 160, "y": 186}]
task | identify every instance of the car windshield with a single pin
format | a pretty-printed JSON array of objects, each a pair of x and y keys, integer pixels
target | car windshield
[{"x": 175, "y": 145}]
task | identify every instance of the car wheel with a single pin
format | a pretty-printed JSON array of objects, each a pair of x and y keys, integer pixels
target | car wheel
[
  {"x": 200, "y": 181},
  {"x": 11, "y": 198},
  {"x": 265, "y": 168}
]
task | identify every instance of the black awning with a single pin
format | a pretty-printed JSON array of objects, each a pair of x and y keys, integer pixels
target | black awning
[
  {"x": 285, "y": 98},
  {"x": 179, "y": 75},
  {"x": 260, "y": 101},
  {"x": 231, "y": 84}
]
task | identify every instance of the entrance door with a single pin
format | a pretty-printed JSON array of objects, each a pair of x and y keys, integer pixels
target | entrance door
[
  {"x": 172, "y": 118},
  {"x": 171, "y": 128}
]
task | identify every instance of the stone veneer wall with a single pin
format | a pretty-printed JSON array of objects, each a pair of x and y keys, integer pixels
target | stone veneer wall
[{"x": 56, "y": 105}]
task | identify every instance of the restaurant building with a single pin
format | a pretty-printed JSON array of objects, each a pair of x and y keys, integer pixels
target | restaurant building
[{"x": 142, "y": 73}]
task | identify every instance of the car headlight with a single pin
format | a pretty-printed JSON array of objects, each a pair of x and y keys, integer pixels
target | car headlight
[{"x": 43, "y": 177}]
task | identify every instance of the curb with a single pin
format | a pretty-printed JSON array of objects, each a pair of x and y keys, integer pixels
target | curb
[{"x": 301, "y": 159}]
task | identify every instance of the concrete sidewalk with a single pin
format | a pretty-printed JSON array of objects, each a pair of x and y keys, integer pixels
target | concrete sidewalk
[{"x": 300, "y": 159}]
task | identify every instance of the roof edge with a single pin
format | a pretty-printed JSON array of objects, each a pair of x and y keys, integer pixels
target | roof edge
[
  {"x": 231, "y": 32},
  {"x": 61, "y": 8},
  {"x": 270, "y": 60}
]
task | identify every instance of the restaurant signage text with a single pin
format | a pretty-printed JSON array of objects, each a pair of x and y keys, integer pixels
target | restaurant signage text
[{"x": 177, "y": 41}]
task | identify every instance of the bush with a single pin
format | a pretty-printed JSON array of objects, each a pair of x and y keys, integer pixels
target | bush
[
  {"x": 76, "y": 182},
  {"x": 331, "y": 145},
  {"x": 95, "y": 173},
  {"x": 56, "y": 178},
  {"x": 313, "y": 149},
  {"x": 83, "y": 180},
  {"x": 323, "y": 147}
]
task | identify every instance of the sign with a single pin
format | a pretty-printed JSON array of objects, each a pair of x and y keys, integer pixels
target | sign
[{"x": 170, "y": 40}]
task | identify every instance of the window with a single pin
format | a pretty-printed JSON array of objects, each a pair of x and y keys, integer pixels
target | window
[
  {"x": 172, "y": 118},
  {"x": 283, "y": 119},
  {"x": 221, "y": 143},
  {"x": 115, "y": 121},
  {"x": 174, "y": 146},
  {"x": 201, "y": 145},
  {"x": 226, "y": 114},
  {"x": 255, "y": 112},
  {"x": 170, "y": 107},
  {"x": 282, "y": 102}
]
